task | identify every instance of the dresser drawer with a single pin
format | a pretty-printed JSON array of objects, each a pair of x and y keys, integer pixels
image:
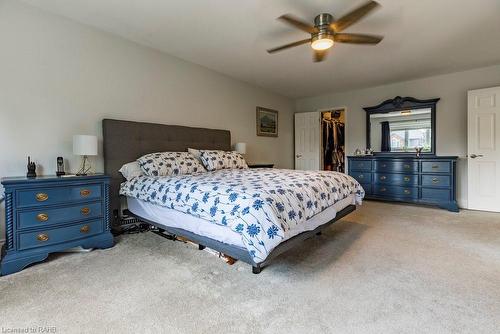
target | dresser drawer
[
  {"x": 436, "y": 167},
  {"x": 47, "y": 217},
  {"x": 59, "y": 235},
  {"x": 396, "y": 179},
  {"x": 362, "y": 177},
  {"x": 436, "y": 180},
  {"x": 436, "y": 195},
  {"x": 360, "y": 165},
  {"x": 56, "y": 195},
  {"x": 395, "y": 191},
  {"x": 396, "y": 166}
]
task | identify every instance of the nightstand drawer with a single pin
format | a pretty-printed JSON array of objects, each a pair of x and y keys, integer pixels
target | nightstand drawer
[
  {"x": 58, "y": 235},
  {"x": 56, "y": 195},
  {"x": 46, "y": 217}
]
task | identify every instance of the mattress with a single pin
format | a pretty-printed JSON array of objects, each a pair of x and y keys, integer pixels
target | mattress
[{"x": 172, "y": 218}]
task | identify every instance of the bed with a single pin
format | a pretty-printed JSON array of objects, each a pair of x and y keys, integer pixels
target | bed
[{"x": 252, "y": 215}]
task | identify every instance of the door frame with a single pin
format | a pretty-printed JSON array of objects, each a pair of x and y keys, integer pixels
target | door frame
[{"x": 345, "y": 135}]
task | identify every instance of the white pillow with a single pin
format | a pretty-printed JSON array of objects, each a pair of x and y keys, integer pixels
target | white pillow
[
  {"x": 130, "y": 170},
  {"x": 195, "y": 153}
]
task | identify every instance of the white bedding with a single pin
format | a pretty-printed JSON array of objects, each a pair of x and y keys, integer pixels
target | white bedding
[{"x": 173, "y": 218}]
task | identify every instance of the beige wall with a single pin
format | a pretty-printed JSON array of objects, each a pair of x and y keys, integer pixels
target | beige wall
[
  {"x": 59, "y": 78},
  {"x": 451, "y": 110}
]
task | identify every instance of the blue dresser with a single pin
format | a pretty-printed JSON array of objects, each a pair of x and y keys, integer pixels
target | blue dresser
[
  {"x": 427, "y": 180},
  {"x": 50, "y": 214}
]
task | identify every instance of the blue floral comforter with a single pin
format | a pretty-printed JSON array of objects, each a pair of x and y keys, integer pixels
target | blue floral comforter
[{"x": 259, "y": 204}]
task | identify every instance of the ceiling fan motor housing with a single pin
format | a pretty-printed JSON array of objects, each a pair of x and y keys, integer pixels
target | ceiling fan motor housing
[{"x": 322, "y": 22}]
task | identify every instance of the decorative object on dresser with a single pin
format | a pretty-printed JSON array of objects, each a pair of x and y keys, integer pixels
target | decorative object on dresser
[
  {"x": 428, "y": 180},
  {"x": 84, "y": 145},
  {"x": 250, "y": 165},
  {"x": 267, "y": 122},
  {"x": 50, "y": 214},
  {"x": 60, "y": 167},
  {"x": 31, "y": 168}
]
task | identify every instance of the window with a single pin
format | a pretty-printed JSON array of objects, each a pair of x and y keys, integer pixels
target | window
[{"x": 407, "y": 135}]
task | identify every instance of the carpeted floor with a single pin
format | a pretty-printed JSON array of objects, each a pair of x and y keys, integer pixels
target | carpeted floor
[{"x": 387, "y": 268}]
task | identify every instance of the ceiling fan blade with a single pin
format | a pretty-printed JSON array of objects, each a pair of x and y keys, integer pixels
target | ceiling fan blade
[
  {"x": 320, "y": 55},
  {"x": 357, "y": 38},
  {"x": 290, "y": 45},
  {"x": 297, "y": 23},
  {"x": 354, "y": 16}
]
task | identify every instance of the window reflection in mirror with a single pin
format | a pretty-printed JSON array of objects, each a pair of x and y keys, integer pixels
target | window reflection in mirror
[{"x": 401, "y": 131}]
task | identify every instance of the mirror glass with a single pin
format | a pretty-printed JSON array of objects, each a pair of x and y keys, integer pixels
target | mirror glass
[{"x": 401, "y": 131}]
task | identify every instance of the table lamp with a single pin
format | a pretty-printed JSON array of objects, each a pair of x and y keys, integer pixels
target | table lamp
[
  {"x": 84, "y": 145},
  {"x": 241, "y": 148}
]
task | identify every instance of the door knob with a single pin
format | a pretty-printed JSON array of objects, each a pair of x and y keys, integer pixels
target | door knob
[
  {"x": 298, "y": 156},
  {"x": 474, "y": 156}
]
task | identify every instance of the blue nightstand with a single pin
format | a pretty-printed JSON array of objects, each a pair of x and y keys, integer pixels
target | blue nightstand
[{"x": 50, "y": 214}]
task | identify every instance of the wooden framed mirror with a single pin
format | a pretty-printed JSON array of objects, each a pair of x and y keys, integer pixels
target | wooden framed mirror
[{"x": 400, "y": 125}]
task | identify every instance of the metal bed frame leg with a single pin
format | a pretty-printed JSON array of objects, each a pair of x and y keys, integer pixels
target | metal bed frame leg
[
  {"x": 201, "y": 247},
  {"x": 256, "y": 269},
  {"x": 319, "y": 233}
]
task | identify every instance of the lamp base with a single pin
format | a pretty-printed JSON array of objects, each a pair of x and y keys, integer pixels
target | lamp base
[{"x": 85, "y": 167}]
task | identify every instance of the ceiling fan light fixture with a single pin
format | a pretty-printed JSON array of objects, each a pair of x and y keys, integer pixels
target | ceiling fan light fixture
[{"x": 322, "y": 44}]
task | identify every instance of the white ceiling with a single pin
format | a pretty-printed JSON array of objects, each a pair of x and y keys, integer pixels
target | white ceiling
[{"x": 422, "y": 38}]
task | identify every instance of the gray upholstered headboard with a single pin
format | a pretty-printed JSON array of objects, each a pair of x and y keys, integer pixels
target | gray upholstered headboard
[{"x": 125, "y": 141}]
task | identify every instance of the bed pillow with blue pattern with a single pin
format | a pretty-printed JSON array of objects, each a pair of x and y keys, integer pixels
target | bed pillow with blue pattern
[
  {"x": 169, "y": 163},
  {"x": 216, "y": 160}
]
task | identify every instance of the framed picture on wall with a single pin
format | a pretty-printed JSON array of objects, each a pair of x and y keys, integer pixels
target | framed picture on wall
[{"x": 267, "y": 122}]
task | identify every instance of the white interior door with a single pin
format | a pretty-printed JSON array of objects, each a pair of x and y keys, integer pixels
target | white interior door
[
  {"x": 484, "y": 149},
  {"x": 307, "y": 137}
]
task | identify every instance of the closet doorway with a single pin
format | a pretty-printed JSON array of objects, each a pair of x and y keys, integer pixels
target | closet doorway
[{"x": 333, "y": 139}]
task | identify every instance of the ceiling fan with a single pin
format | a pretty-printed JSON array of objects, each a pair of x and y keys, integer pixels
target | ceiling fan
[{"x": 326, "y": 31}]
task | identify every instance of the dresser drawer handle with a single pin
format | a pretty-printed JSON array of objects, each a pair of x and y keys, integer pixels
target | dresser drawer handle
[
  {"x": 42, "y": 217},
  {"x": 383, "y": 178},
  {"x": 384, "y": 165},
  {"x": 435, "y": 180},
  {"x": 361, "y": 176},
  {"x": 85, "y": 192},
  {"x": 41, "y": 197},
  {"x": 85, "y": 211},
  {"x": 407, "y": 179},
  {"x": 42, "y": 237},
  {"x": 406, "y": 191},
  {"x": 84, "y": 229},
  {"x": 407, "y": 166},
  {"x": 435, "y": 166},
  {"x": 361, "y": 164},
  {"x": 383, "y": 189}
]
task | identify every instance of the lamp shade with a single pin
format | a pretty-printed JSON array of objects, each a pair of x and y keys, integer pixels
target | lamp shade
[
  {"x": 240, "y": 148},
  {"x": 84, "y": 145}
]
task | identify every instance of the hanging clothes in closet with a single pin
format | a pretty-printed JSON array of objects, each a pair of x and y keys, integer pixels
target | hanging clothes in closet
[{"x": 333, "y": 144}]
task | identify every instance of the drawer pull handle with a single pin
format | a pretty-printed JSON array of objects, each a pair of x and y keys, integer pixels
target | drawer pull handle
[
  {"x": 41, "y": 197},
  {"x": 361, "y": 164},
  {"x": 84, "y": 229},
  {"x": 384, "y": 165},
  {"x": 383, "y": 178},
  {"x": 435, "y": 166},
  {"x": 85, "y": 192},
  {"x": 382, "y": 189},
  {"x": 361, "y": 176},
  {"x": 435, "y": 180},
  {"x": 85, "y": 211},
  {"x": 406, "y": 179},
  {"x": 42, "y": 217},
  {"x": 42, "y": 237},
  {"x": 406, "y": 191}
]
